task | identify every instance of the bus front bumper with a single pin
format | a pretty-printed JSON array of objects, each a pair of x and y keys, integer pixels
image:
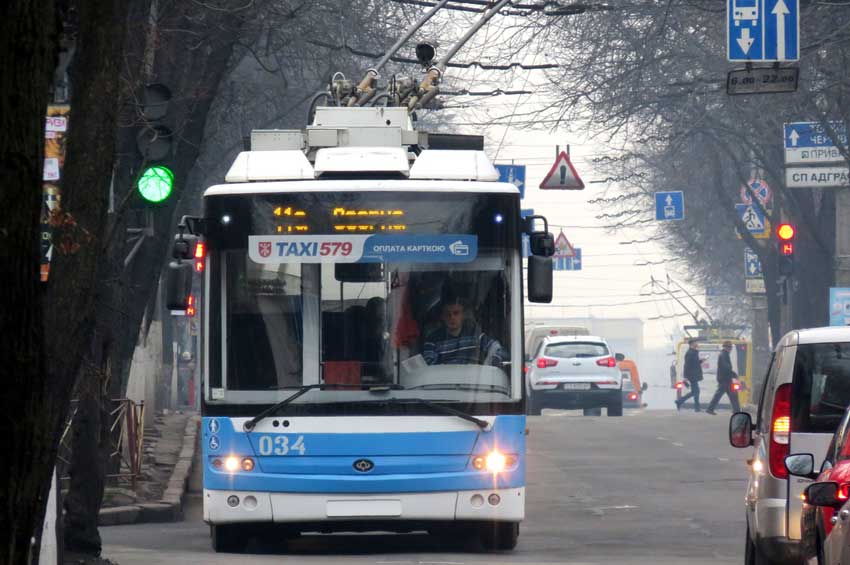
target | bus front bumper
[{"x": 231, "y": 507}]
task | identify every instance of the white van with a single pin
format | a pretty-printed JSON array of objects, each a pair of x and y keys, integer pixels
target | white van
[{"x": 806, "y": 391}]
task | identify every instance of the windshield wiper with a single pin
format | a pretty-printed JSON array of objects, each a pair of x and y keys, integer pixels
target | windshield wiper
[
  {"x": 483, "y": 424},
  {"x": 250, "y": 424},
  {"x": 464, "y": 386}
]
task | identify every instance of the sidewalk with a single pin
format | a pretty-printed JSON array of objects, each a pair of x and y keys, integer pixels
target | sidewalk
[{"x": 169, "y": 448}]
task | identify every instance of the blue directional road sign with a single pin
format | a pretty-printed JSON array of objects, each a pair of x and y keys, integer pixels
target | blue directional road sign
[
  {"x": 752, "y": 265},
  {"x": 811, "y": 142},
  {"x": 763, "y": 30},
  {"x": 526, "y": 246},
  {"x": 568, "y": 263},
  {"x": 752, "y": 217},
  {"x": 513, "y": 174},
  {"x": 669, "y": 205}
]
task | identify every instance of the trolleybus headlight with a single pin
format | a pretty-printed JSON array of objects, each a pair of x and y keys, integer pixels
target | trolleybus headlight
[
  {"x": 247, "y": 464},
  {"x": 496, "y": 462},
  {"x": 231, "y": 464}
]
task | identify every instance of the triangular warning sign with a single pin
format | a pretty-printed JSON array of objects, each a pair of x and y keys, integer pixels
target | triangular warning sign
[
  {"x": 563, "y": 247},
  {"x": 563, "y": 175}
]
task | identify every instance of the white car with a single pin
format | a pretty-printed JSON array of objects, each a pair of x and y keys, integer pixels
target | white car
[{"x": 572, "y": 372}]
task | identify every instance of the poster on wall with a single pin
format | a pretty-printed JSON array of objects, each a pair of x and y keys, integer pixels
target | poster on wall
[
  {"x": 839, "y": 306},
  {"x": 55, "y": 139}
]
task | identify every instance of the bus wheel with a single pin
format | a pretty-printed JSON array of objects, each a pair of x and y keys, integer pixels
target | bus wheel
[
  {"x": 499, "y": 535},
  {"x": 226, "y": 539}
]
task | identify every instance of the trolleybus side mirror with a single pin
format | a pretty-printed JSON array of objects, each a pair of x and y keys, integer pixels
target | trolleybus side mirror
[
  {"x": 183, "y": 247},
  {"x": 178, "y": 285},
  {"x": 539, "y": 279}
]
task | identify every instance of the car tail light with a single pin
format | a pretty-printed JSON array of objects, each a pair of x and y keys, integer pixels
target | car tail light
[
  {"x": 736, "y": 387},
  {"x": 780, "y": 431},
  {"x": 544, "y": 362},
  {"x": 680, "y": 385},
  {"x": 633, "y": 396},
  {"x": 843, "y": 492},
  {"x": 607, "y": 362}
]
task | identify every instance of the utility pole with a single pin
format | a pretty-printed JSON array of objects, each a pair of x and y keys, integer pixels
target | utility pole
[
  {"x": 761, "y": 344},
  {"x": 842, "y": 237}
]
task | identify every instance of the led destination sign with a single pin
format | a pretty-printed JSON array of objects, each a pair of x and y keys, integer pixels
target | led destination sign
[{"x": 291, "y": 220}]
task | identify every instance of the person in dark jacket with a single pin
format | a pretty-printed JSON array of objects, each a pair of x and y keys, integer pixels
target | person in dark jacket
[
  {"x": 725, "y": 377},
  {"x": 692, "y": 373}
]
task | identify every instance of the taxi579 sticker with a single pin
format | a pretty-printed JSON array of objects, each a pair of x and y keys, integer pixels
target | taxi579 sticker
[
  {"x": 282, "y": 445},
  {"x": 306, "y": 249}
]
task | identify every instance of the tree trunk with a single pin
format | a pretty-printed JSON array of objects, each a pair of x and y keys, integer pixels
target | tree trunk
[{"x": 28, "y": 48}]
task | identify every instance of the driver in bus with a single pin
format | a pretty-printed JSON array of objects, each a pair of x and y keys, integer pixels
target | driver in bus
[{"x": 458, "y": 340}]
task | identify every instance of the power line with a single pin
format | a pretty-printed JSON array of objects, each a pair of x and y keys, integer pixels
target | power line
[{"x": 397, "y": 59}]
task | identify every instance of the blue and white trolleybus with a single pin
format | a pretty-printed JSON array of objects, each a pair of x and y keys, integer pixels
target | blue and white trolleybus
[{"x": 362, "y": 346}]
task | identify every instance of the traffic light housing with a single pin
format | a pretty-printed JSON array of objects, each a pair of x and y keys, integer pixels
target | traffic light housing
[
  {"x": 785, "y": 235},
  {"x": 155, "y": 144}
]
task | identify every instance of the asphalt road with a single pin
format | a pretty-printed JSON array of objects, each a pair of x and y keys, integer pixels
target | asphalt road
[{"x": 652, "y": 487}]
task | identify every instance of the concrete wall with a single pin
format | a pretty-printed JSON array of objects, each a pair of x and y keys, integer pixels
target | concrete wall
[
  {"x": 49, "y": 553},
  {"x": 145, "y": 371}
]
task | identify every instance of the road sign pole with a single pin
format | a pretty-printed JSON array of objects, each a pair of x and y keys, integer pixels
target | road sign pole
[
  {"x": 761, "y": 344},
  {"x": 842, "y": 237}
]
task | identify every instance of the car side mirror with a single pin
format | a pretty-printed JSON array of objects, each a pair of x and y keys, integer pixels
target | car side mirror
[
  {"x": 741, "y": 430},
  {"x": 539, "y": 279},
  {"x": 801, "y": 465},
  {"x": 619, "y": 357},
  {"x": 643, "y": 387},
  {"x": 825, "y": 494}
]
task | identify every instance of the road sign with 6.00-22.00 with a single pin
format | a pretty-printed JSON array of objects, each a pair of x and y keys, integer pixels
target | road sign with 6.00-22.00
[
  {"x": 814, "y": 143},
  {"x": 669, "y": 205},
  {"x": 763, "y": 30}
]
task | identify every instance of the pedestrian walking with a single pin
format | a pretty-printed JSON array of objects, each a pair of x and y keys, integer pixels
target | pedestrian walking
[
  {"x": 692, "y": 374},
  {"x": 725, "y": 378}
]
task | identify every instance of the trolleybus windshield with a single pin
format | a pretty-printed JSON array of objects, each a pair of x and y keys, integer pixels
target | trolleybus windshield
[{"x": 418, "y": 290}]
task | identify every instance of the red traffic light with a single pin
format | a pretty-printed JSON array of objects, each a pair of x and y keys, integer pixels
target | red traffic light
[{"x": 786, "y": 232}]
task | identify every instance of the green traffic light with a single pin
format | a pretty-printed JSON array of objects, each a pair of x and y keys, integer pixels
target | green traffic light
[{"x": 156, "y": 183}]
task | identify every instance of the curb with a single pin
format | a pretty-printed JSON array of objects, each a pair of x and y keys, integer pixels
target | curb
[{"x": 170, "y": 507}]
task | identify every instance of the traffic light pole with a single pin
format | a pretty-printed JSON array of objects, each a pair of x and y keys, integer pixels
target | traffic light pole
[{"x": 139, "y": 234}]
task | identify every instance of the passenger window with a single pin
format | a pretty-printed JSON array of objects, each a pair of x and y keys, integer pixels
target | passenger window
[
  {"x": 772, "y": 370},
  {"x": 821, "y": 387}
]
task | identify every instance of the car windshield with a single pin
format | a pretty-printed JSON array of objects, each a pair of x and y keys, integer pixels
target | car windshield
[
  {"x": 576, "y": 349},
  {"x": 433, "y": 316}
]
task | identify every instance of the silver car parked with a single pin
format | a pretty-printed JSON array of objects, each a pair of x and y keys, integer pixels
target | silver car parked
[{"x": 805, "y": 393}]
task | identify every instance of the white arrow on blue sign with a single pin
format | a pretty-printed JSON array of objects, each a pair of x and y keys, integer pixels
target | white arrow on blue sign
[
  {"x": 513, "y": 174},
  {"x": 752, "y": 265},
  {"x": 669, "y": 205},
  {"x": 763, "y": 30},
  {"x": 811, "y": 142},
  {"x": 568, "y": 263},
  {"x": 526, "y": 246}
]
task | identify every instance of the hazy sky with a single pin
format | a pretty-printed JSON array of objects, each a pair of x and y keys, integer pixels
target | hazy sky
[{"x": 610, "y": 283}]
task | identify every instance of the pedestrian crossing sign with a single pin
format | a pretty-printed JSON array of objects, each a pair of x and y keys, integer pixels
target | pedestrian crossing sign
[{"x": 754, "y": 219}]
